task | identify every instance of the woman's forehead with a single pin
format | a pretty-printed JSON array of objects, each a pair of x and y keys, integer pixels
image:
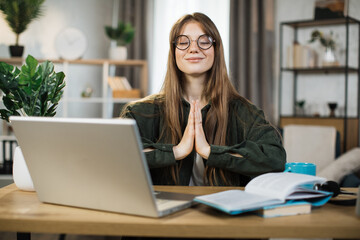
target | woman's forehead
[{"x": 193, "y": 29}]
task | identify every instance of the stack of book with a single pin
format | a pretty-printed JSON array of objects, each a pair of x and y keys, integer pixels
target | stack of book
[
  {"x": 301, "y": 56},
  {"x": 121, "y": 88},
  {"x": 271, "y": 195}
]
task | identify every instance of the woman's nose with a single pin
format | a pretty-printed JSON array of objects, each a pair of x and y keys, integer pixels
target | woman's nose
[{"x": 193, "y": 46}]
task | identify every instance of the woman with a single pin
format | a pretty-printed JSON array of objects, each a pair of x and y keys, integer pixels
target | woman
[{"x": 198, "y": 130}]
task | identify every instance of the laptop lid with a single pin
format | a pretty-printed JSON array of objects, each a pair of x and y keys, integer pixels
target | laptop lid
[{"x": 89, "y": 163}]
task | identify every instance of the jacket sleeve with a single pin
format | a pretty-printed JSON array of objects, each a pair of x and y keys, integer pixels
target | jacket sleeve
[
  {"x": 160, "y": 154},
  {"x": 261, "y": 150}
]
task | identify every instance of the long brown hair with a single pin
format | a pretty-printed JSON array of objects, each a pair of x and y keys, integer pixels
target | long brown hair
[{"x": 218, "y": 89}]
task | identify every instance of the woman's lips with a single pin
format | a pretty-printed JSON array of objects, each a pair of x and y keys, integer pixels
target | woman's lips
[{"x": 194, "y": 59}]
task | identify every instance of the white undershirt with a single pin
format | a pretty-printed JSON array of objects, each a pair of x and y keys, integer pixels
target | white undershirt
[{"x": 197, "y": 176}]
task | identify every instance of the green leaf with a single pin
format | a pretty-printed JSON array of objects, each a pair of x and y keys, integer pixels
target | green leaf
[
  {"x": 6, "y": 68},
  {"x": 326, "y": 41},
  {"x": 5, "y": 114},
  {"x": 19, "y": 13},
  {"x": 7, "y": 78},
  {"x": 36, "y": 89},
  {"x": 11, "y": 104},
  {"x": 123, "y": 33},
  {"x": 58, "y": 89}
]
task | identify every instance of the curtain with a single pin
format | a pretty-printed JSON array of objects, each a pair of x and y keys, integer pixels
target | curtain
[
  {"x": 134, "y": 12},
  {"x": 252, "y": 43}
]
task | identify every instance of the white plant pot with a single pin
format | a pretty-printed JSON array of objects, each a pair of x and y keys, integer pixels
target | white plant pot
[
  {"x": 118, "y": 53},
  {"x": 21, "y": 173},
  {"x": 329, "y": 58}
]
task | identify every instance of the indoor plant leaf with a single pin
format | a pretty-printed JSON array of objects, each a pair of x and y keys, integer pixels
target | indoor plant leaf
[
  {"x": 123, "y": 33},
  {"x": 35, "y": 90},
  {"x": 19, "y": 13}
]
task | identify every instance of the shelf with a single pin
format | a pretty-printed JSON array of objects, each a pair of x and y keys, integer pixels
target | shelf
[
  {"x": 85, "y": 100},
  {"x": 348, "y": 124},
  {"x": 99, "y": 100},
  {"x": 104, "y": 99},
  {"x": 324, "y": 22},
  {"x": 129, "y": 62},
  {"x": 6, "y": 177},
  {"x": 340, "y": 69}
]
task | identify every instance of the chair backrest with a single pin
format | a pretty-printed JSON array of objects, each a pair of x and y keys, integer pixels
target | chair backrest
[{"x": 307, "y": 143}]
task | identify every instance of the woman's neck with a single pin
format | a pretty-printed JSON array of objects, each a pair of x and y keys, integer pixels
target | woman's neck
[{"x": 194, "y": 89}]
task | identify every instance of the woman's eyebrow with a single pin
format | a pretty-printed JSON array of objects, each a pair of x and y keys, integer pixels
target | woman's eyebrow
[{"x": 197, "y": 36}]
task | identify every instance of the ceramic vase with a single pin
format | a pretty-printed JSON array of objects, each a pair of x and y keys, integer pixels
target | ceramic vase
[
  {"x": 329, "y": 58},
  {"x": 118, "y": 53},
  {"x": 21, "y": 175}
]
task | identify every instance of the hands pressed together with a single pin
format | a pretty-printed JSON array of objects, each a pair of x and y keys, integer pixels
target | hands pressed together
[{"x": 193, "y": 135}]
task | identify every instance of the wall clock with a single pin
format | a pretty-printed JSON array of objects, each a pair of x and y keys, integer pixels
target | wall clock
[{"x": 71, "y": 43}]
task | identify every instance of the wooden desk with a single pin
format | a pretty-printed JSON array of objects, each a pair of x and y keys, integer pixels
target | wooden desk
[{"x": 22, "y": 212}]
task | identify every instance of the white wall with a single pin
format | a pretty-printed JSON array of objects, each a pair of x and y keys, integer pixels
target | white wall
[
  {"x": 90, "y": 16},
  {"x": 317, "y": 90}
]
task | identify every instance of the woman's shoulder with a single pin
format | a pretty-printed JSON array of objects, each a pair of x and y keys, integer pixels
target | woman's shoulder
[
  {"x": 244, "y": 105},
  {"x": 247, "y": 112},
  {"x": 147, "y": 104}
]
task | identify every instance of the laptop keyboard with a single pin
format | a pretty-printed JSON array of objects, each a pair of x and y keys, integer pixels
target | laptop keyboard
[
  {"x": 163, "y": 204},
  {"x": 162, "y": 201}
]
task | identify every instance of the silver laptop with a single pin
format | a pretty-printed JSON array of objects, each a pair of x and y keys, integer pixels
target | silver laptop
[{"x": 92, "y": 163}]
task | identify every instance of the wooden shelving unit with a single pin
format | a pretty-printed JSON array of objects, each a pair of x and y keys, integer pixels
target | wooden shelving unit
[
  {"x": 348, "y": 127},
  {"x": 321, "y": 70}
]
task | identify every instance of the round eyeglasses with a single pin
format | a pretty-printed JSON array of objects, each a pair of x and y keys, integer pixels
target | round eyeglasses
[{"x": 204, "y": 42}]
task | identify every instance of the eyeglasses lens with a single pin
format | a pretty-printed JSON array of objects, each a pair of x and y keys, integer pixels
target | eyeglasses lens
[
  {"x": 182, "y": 42},
  {"x": 204, "y": 42}
]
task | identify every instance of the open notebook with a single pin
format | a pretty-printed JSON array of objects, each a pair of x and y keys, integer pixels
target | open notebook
[{"x": 92, "y": 163}]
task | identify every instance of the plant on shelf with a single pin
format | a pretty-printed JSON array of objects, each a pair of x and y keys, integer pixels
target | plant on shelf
[
  {"x": 18, "y": 14},
  {"x": 33, "y": 90},
  {"x": 123, "y": 34},
  {"x": 326, "y": 40},
  {"x": 300, "y": 108},
  {"x": 329, "y": 58}
]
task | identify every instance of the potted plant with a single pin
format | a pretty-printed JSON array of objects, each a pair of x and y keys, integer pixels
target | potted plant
[
  {"x": 33, "y": 90},
  {"x": 18, "y": 14},
  {"x": 123, "y": 34},
  {"x": 328, "y": 43},
  {"x": 300, "y": 108}
]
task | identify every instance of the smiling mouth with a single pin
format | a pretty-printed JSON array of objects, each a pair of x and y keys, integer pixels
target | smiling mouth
[{"x": 194, "y": 59}]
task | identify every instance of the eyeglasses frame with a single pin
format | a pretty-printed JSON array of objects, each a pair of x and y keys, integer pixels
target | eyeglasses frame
[{"x": 197, "y": 42}]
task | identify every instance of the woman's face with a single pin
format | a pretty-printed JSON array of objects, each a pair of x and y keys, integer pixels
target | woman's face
[{"x": 194, "y": 61}]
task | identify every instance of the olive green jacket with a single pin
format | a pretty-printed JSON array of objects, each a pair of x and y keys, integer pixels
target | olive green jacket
[{"x": 249, "y": 135}]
